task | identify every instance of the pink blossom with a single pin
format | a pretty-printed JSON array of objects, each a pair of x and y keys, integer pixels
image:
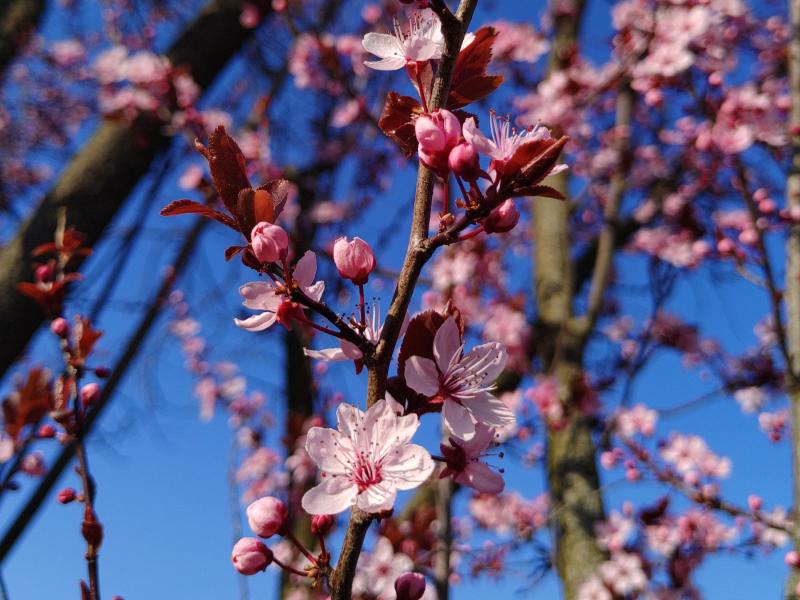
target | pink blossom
[
  {"x": 366, "y": 461},
  {"x": 690, "y": 455},
  {"x": 463, "y": 381},
  {"x": 269, "y": 299},
  {"x": 638, "y": 419},
  {"x": 422, "y": 41},
  {"x": 593, "y": 589},
  {"x": 437, "y": 133},
  {"x": 378, "y": 570},
  {"x": 624, "y": 573},
  {"x": 613, "y": 533},
  {"x": 463, "y": 161},
  {"x": 250, "y": 556},
  {"x": 503, "y": 218},
  {"x": 270, "y": 242},
  {"x": 518, "y": 42},
  {"x": 354, "y": 259},
  {"x": 505, "y": 139},
  {"x": 409, "y": 586},
  {"x": 464, "y": 463}
]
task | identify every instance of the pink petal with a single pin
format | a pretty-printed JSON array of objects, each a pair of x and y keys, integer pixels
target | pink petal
[
  {"x": 490, "y": 410},
  {"x": 329, "y": 449},
  {"x": 456, "y": 418},
  {"x": 258, "y": 322},
  {"x": 259, "y": 296},
  {"x": 348, "y": 419},
  {"x": 481, "y": 440},
  {"x": 306, "y": 269},
  {"x": 331, "y": 354},
  {"x": 315, "y": 291},
  {"x": 422, "y": 376},
  {"x": 377, "y": 498},
  {"x": 479, "y": 476},
  {"x": 492, "y": 357},
  {"x": 330, "y": 497},
  {"x": 446, "y": 344},
  {"x": 387, "y": 64},
  {"x": 408, "y": 466},
  {"x": 475, "y": 136},
  {"x": 383, "y": 45},
  {"x": 350, "y": 350}
]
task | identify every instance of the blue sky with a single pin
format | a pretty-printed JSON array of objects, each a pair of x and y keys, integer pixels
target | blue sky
[{"x": 162, "y": 490}]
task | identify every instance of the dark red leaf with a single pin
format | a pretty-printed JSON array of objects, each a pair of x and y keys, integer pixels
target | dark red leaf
[
  {"x": 28, "y": 403},
  {"x": 397, "y": 121},
  {"x": 537, "y": 190},
  {"x": 86, "y": 337},
  {"x": 232, "y": 251},
  {"x": 470, "y": 81},
  {"x": 227, "y": 165},
  {"x": 190, "y": 207}
]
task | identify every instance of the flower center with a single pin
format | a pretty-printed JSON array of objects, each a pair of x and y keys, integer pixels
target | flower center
[{"x": 366, "y": 474}]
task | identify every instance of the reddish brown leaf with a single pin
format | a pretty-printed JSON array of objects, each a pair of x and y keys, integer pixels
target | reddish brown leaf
[
  {"x": 28, "y": 403},
  {"x": 397, "y": 121},
  {"x": 418, "y": 339},
  {"x": 537, "y": 190},
  {"x": 86, "y": 337},
  {"x": 470, "y": 81},
  {"x": 232, "y": 251},
  {"x": 187, "y": 207},
  {"x": 227, "y": 165},
  {"x": 279, "y": 189}
]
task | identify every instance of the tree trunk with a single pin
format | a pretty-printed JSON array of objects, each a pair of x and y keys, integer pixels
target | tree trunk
[{"x": 94, "y": 186}]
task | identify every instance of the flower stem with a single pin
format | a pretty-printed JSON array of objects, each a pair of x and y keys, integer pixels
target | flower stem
[{"x": 362, "y": 305}]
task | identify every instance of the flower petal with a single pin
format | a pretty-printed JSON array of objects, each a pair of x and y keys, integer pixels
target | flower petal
[
  {"x": 456, "y": 418},
  {"x": 315, "y": 291},
  {"x": 422, "y": 376},
  {"x": 475, "y": 136},
  {"x": 306, "y": 269},
  {"x": 332, "y": 452},
  {"x": 383, "y": 45},
  {"x": 479, "y": 476},
  {"x": 490, "y": 359},
  {"x": 386, "y": 64},
  {"x": 330, "y": 497},
  {"x": 489, "y": 409},
  {"x": 349, "y": 419},
  {"x": 258, "y": 322},
  {"x": 331, "y": 354},
  {"x": 377, "y": 498},
  {"x": 446, "y": 344},
  {"x": 259, "y": 295},
  {"x": 407, "y": 466}
]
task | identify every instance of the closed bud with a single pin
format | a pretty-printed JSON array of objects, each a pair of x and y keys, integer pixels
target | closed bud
[
  {"x": 46, "y": 432},
  {"x": 250, "y": 556},
  {"x": 792, "y": 559},
  {"x": 60, "y": 327},
  {"x": 437, "y": 133},
  {"x": 321, "y": 524},
  {"x": 90, "y": 393},
  {"x": 44, "y": 273},
  {"x": 102, "y": 372},
  {"x": 354, "y": 259},
  {"x": 66, "y": 495},
  {"x": 409, "y": 586},
  {"x": 266, "y": 516},
  {"x": 270, "y": 243},
  {"x": 502, "y": 219},
  {"x": 463, "y": 161}
]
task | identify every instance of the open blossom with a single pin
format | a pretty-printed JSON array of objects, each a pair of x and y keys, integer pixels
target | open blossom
[
  {"x": 366, "y": 460},
  {"x": 273, "y": 302},
  {"x": 461, "y": 381},
  {"x": 638, "y": 419},
  {"x": 624, "y": 573},
  {"x": 691, "y": 456},
  {"x": 421, "y": 42},
  {"x": 378, "y": 570},
  {"x": 464, "y": 463}
]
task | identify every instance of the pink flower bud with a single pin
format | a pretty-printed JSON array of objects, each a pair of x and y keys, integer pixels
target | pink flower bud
[
  {"x": 90, "y": 393},
  {"x": 502, "y": 219},
  {"x": 46, "y": 432},
  {"x": 409, "y": 586},
  {"x": 463, "y": 161},
  {"x": 102, "y": 372},
  {"x": 44, "y": 273},
  {"x": 250, "y": 556},
  {"x": 437, "y": 133},
  {"x": 270, "y": 243},
  {"x": 754, "y": 502},
  {"x": 60, "y": 327},
  {"x": 792, "y": 559},
  {"x": 354, "y": 259},
  {"x": 321, "y": 524},
  {"x": 66, "y": 495},
  {"x": 266, "y": 516}
]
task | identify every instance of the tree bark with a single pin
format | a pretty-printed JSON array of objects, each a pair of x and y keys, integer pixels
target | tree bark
[
  {"x": 18, "y": 20},
  {"x": 94, "y": 186}
]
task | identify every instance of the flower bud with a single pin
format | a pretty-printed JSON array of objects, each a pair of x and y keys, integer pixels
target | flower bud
[
  {"x": 90, "y": 393},
  {"x": 437, "y": 133},
  {"x": 46, "y": 432},
  {"x": 270, "y": 242},
  {"x": 354, "y": 259},
  {"x": 502, "y": 219},
  {"x": 321, "y": 524},
  {"x": 266, "y": 516},
  {"x": 102, "y": 372},
  {"x": 250, "y": 556},
  {"x": 792, "y": 559},
  {"x": 66, "y": 495},
  {"x": 463, "y": 161},
  {"x": 754, "y": 502},
  {"x": 409, "y": 586},
  {"x": 60, "y": 327},
  {"x": 44, "y": 273}
]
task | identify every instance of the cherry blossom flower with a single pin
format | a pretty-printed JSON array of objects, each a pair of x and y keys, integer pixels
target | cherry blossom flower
[
  {"x": 366, "y": 461},
  {"x": 270, "y": 299},
  {"x": 691, "y": 456},
  {"x": 638, "y": 419},
  {"x": 624, "y": 573},
  {"x": 593, "y": 589},
  {"x": 463, "y": 460},
  {"x": 422, "y": 41},
  {"x": 462, "y": 381},
  {"x": 378, "y": 570}
]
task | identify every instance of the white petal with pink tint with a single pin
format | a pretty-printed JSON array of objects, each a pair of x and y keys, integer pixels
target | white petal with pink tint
[
  {"x": 422, "y": 376},
  {"x": 332, "y": 496}
]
